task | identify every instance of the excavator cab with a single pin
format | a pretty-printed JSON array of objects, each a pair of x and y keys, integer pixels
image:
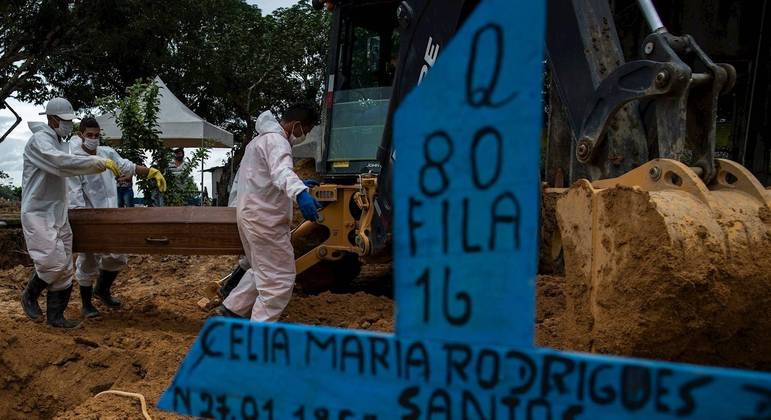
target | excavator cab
[
  {"x": 379, "y": 51},
  {"x": 363, "y": 58},
  {"x": 364, "y": 50}
]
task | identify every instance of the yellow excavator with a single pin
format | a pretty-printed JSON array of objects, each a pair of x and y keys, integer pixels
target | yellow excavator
[
  {"x": 608, "y": 118},
  {"x": 658, "y": 222}
]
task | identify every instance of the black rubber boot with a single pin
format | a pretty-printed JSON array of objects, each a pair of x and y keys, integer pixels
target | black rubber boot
[
  {"x": 56, "y": 304},
  {"x": 103, "y": 286},
  {"x": 223, "y": 311},
  {"x": 30, "y": 295},
  {"x": 232, "y": 282},
  {"x": 89, "y": 310}
]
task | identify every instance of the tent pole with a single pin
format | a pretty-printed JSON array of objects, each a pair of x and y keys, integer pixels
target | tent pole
[
  {"x": 232, "y": 164},
  {"x": 202, "y": 162}
]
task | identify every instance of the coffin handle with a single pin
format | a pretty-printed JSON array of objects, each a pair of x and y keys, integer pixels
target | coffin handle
[{"x": 157, "y": 241}]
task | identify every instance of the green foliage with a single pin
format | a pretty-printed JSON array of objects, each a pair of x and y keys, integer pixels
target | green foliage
[
  {"x": 181, "y": 187},
  {"x": 136, "y": 114},
  {"x": 233, "y": 62},
  {"x": 224, "y": 59},
  {"x": 83, "y": 49},
  {"x": 28, "y": 31},
  {"x": 303, "y": 34},
  {"x": 7, "y": 190},
  {"x": 209, "y": 52}
]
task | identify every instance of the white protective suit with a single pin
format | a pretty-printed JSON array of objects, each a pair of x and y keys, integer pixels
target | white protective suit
[
  {"x": 243, "y": 262},
  {"x": 267, "y": 188},
  {"x": 47, "y": 162},
  {"x": 96, "y": 191}
]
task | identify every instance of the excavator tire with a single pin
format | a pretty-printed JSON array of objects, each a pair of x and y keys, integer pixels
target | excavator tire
[
  {"x": 326, "y": 275},
  {"x": 330, "y": 275},
  {"x": 660, "y": 265}
]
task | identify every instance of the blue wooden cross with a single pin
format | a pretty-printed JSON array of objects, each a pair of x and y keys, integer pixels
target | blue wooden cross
[{"x": 466, "y": 210}]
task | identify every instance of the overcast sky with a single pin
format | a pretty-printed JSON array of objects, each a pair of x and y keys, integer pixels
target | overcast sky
[
  {"x": 11, "y": 149},
  {"x": 268, "y": 6}
]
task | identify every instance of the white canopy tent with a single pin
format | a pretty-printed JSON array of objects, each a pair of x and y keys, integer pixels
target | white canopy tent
[{"x": 179, "y": 126}]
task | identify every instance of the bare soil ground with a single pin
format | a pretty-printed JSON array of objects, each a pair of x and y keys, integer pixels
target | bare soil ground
[
  {"x": 12, "y": 250},
  {"x": 48, "y": 373}
]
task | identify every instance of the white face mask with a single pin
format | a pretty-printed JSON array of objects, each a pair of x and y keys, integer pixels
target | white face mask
[
  {"x": 91, "y": 144},
  {"x": 296, "y": 140},
  {"x": 64, "y": 129}
]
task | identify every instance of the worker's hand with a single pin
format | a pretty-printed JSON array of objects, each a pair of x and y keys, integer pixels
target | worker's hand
[
  {"x": 158, "y": 177},
  {"x": 310, "y": 183},
  {"x": 309, "y": 207},
  {"x": 110, "y": 164}
]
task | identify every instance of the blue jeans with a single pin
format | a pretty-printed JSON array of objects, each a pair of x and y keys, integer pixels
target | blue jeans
[{"x": 125, "y": 197}]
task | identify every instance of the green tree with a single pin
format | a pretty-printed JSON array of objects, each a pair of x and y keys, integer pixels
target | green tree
[
  {"x": 230, "y": 62},
  {"x": 29, "y": 32},
  {"x": 303, "y": 33},
  {"x": 82, "y": 49},
  {"x": 7, "y": 190},
  {"x": 234, "y": 62},
  {"x": 222, "y": 57},
  {"x": 222, "y": 50},
  {"x": 293, "y": 46}
]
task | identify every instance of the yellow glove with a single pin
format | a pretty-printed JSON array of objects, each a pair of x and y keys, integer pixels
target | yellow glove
[
  {"x": 111, "y": 165},
  {"x": 159, "y": 179}
]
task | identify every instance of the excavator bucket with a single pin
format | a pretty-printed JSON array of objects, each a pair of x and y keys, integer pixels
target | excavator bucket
[{"x": 660, "y": 265}]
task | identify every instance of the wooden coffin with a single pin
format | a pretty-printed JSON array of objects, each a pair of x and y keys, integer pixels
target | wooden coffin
[{"x": 156, "y": 230}]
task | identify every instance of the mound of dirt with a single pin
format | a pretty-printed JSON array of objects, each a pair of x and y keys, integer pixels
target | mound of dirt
[
  {"x": 550, "y": 309},
  {"x": 356, "y": 311},
  {"x": 46, "y": 371},
  {"x": 671, "y": 278},
  {"x": 12, "y": 249}
]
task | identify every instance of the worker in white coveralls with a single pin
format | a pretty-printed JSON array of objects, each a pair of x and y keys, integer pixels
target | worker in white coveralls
[
  {"x": 100, "y": 191},
  {"x": 267, "y": 188},
  {"x": 47, "y": 162},
  {"x": 243, "y": 263}
]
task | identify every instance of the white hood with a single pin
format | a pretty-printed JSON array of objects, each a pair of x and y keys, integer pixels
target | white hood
[
  {"x": 36, "y": 126},
  {"x": 76, "y": 145},
  {"x": 267, "y": 123}
]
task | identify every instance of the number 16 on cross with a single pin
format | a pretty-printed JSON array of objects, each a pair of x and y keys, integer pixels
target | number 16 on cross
[{"x": 459, "y": 195}]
